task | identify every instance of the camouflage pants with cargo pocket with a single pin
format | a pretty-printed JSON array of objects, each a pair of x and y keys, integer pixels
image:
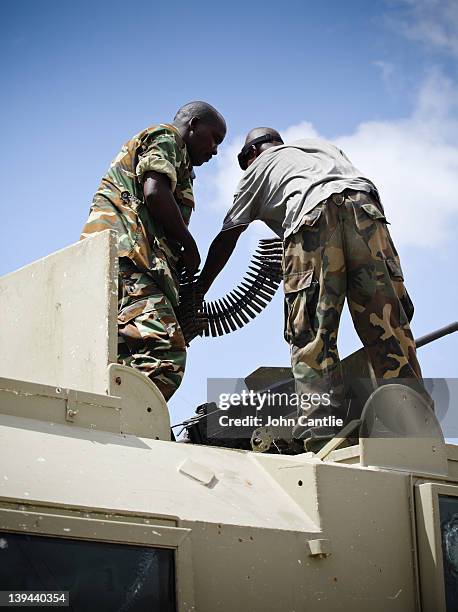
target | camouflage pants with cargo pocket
[
  {"x": 149, "y": 336},
  {"x": 343, "y": 250}
]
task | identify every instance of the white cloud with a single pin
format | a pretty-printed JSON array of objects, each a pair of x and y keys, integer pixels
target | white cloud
[
  {"x": 302, "y": 130},
  {"x": 413, "y": 162},
  {"x": 432, "y": 22}
]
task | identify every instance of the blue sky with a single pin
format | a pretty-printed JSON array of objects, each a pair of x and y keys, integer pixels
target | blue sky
[{"x": 380, "y": 78}]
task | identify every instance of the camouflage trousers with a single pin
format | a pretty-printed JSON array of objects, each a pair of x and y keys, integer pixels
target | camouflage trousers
[
  {"x": 343, "y": 250},
  {"x": 149, "y": 336}
]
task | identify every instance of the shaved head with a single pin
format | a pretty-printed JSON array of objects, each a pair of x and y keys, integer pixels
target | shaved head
[
  {"x": 257, "y": 141},
  {"x": 202, "y": 110},
  {"x": 202, "y": 128},
  {"x": 263, "y": 131}
]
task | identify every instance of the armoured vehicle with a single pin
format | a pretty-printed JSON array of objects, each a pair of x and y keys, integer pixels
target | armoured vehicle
[{"x": 97, "y": 502}]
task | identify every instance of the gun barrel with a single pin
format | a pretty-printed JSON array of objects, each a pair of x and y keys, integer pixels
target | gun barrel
[{"x": 435, "y": 335}]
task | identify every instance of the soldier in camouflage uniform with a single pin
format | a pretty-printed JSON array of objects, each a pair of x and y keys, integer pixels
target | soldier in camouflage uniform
[
  {"x": 336, "y": 246},
  {"x": 147, "y": 197}
]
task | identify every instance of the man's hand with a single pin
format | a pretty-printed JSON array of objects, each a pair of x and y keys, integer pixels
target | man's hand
[{"x": 191, "y": 258}]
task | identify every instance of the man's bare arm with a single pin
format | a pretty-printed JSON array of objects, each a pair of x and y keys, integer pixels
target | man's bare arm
[
  {"x": 163, "y": 207},
  {"x": 220, "y": 250}
]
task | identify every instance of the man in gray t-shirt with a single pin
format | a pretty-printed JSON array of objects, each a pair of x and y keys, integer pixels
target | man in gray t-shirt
[
  {"x": 336, "y": 246},
  {"x": 284, "y": 183}
]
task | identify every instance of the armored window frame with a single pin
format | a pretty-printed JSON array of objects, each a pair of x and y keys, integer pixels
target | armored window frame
[
  {"x": 110, "y": 526},
  {"x": 429, "y": 541}
]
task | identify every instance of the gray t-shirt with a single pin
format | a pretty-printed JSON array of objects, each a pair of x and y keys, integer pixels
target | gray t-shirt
[{"x": 286, "y": 182}]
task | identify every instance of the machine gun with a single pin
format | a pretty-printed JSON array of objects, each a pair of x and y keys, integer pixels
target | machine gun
[{"x": 360, "y": 383}]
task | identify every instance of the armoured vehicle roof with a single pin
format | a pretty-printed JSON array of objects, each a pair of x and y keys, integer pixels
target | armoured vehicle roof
[{"x": 86, "y": 456}]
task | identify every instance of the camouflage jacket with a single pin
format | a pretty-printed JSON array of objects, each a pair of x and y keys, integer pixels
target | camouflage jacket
[{"x": 119, "y": 203}]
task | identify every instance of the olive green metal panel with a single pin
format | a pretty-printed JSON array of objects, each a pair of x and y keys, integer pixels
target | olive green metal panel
[
  {"x": 59, "y": 317},
  {"x": 134, "y": 404}
]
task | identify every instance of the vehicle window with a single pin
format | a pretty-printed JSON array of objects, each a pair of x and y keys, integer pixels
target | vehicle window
[
  {"x": 448, "y": 510},
  {"x": 98, "y": 575}
]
